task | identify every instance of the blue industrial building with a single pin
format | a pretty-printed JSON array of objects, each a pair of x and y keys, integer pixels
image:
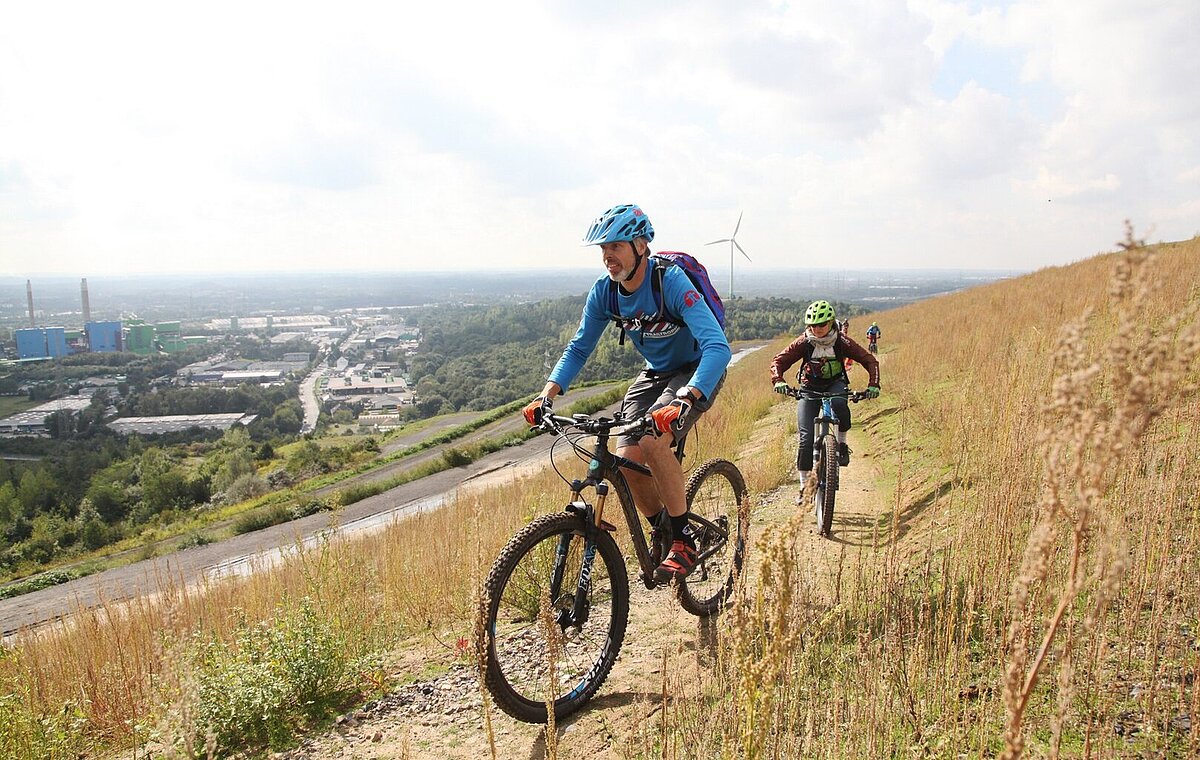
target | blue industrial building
[
  {"x": 42, "y": 343},
  {"x": 31, "y": 343},
  {"x": 103, "y": 336}
]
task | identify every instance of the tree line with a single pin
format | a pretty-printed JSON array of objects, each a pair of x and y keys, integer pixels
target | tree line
[{"x": 481, "y": 357}]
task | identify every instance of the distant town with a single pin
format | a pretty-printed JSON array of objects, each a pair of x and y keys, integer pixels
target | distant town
[{"x": 371, "y": 385}]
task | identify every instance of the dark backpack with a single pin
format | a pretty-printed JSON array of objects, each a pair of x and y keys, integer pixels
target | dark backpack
[{"x": 695, "y": 272}]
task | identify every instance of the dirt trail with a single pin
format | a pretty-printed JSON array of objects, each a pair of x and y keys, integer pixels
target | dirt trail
[{"x": 441, "y": 717}]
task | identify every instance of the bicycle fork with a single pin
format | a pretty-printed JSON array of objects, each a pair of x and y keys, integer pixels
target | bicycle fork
[{"x": 593, "y": 520}]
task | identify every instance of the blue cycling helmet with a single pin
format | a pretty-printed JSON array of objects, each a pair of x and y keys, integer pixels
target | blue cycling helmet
[{"x": 624, "y": 222}]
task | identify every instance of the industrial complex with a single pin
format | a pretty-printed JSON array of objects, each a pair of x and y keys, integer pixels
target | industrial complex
[{"x": 134, "y": 335}]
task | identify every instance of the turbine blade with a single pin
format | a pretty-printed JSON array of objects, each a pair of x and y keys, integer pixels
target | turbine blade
[
  {"x": 739, "y": 224},
  {"x": 722, "y": 240},
  {"x": 739, "y": 247}
]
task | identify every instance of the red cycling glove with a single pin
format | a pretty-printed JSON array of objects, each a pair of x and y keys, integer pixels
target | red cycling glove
[
  {"x": 535, "y": 410},
  {"x": 671, "y": 415}
]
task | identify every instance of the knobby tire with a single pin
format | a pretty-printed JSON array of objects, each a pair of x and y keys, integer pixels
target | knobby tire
[
  {"x": 719, "y": 520},
  {"x": 827, "y": 494},
  {"x": 518, "y": 649}
]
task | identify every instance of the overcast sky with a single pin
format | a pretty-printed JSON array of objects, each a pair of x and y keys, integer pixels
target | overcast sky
[{"x": 162, "y": 137}]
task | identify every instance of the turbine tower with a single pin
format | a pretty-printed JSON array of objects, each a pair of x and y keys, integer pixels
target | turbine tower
[{"x": 733, "y": 243}]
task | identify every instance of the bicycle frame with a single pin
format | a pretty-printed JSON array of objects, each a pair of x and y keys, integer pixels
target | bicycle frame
[{"x": 604, "y": 468}]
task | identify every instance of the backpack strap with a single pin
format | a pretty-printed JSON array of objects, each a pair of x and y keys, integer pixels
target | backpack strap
[{"x": 657, "y": 272}]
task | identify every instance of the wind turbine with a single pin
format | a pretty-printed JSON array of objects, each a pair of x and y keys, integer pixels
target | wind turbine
[{"x": 733, "y": 243}]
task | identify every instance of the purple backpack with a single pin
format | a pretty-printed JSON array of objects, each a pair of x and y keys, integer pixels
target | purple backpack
[{"x": 695, "y": 272}]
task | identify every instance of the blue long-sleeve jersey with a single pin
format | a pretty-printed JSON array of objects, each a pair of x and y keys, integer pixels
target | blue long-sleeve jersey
[{"x": 664, "y": 345}]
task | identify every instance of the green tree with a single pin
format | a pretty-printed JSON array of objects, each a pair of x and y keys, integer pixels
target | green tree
[
  {"x": 93, "y": 532},
  {"x": 10, "y": 508},
  {"x": 307, "y": 459},
  {"x": 109, "y": 499},
  {"x": 237, "y": 464},
  {"x": 37, "y": 492}
]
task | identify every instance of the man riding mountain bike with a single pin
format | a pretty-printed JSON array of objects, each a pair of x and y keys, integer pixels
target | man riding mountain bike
[
  {"x": 822, "y": 351},
  {"x": 686, "y": 355},
  {"x": 873, "y": 334}
]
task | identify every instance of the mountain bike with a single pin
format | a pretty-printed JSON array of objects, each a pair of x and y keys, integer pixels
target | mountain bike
[
  {"x": 873, "y": 345},
  {"x": 557, "y": 596},
  {"x": 825, "y": 452}
]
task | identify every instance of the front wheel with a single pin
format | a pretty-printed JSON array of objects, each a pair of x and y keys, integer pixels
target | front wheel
[
  {"x": 557, "y": 606},
  {"x": 718, "y": 519},
  {"x": 827, "y": 483}
]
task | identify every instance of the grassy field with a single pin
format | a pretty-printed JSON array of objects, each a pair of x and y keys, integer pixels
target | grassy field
[
  {"x": 1048, "y": 423},
  {"x": 10, "y": 405}
]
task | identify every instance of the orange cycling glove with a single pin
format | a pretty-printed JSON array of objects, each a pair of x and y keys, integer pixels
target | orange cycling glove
[
  {"x": 671, "y": 415},
  {"x": 535, "y": 410}
]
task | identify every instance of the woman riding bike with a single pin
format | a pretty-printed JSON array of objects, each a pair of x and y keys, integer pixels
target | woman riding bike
[{"x": 822, "y": 351}]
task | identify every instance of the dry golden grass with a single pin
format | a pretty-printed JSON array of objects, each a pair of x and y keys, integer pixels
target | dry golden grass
[{"x": 1035, "y": 592}]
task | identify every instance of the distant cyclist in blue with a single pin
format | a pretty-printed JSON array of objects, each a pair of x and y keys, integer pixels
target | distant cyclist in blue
[
  {"x": 873, "y": 332},
  {"x": 686, "y": 355}
]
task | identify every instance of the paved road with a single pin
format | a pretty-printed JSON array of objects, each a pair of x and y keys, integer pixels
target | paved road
[
  {"x": 308, "y": 397},
  {"x": 236, "y": 553}
]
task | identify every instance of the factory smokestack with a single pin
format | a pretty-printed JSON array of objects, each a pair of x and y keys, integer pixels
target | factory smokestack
[
  {"x": 29, "y": 292},
  {"x": 87, "y": 310}
]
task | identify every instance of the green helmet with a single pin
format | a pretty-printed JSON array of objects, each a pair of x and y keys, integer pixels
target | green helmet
[{"x": 818, "y": 312}]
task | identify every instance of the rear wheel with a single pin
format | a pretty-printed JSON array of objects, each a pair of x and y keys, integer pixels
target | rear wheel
[
  {"x": 718, "y": 519},
  {"x": 555, "y": 617},
  {"x": 827, "y": 474}
]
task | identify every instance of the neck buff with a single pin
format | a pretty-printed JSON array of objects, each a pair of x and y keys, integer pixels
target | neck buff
[{"x": 821, "y": 346}]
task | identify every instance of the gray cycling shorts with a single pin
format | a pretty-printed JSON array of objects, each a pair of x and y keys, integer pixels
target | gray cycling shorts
[{"x": 653, "y": 390}]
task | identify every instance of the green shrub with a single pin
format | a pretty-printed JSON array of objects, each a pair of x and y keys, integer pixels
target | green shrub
[
  {"x": 24, "y": 733},
  {"x": 37, "y": 582},
  {"x": 456, "y": 457},
  {"x": 261, "y": 518},
  {"x": 256, "y": 690},
  {"x": 310, "y": 506},
  {"x": 194, "y": 539}
]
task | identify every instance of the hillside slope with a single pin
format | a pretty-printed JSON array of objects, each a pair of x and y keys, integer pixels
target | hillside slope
[
  {"x": 918, "y": 629},
  {"x": 1016, "y": 572}
]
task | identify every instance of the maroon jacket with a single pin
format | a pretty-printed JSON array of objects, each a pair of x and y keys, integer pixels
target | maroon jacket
[{"x": 800, "y": 350}]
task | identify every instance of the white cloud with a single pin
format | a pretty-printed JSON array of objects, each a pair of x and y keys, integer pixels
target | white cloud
[{"x": 145, "y": 136}]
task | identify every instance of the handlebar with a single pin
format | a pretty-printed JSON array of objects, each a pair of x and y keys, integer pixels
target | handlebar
[
  {"x": 615, "y": 425},
  {"x": 801, "y": 393}
]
